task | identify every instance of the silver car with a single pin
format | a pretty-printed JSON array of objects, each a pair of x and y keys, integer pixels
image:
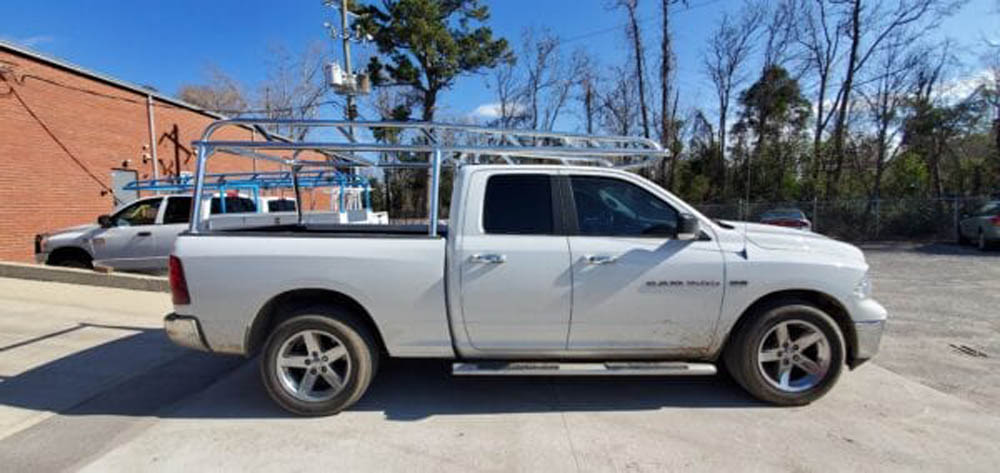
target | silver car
[{"x": 981, "y": 226}]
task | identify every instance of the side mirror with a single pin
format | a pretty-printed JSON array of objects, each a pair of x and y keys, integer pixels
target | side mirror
[
  {"x": 688, "y": 227},
  {"x": 104, "y": 221}
]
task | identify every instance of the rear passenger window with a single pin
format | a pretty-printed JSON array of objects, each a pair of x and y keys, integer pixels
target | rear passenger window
[
  {"x": 178, "y": 210},
  {"x": 234, "y": 205},
  {"x": 518, "y": 204}
]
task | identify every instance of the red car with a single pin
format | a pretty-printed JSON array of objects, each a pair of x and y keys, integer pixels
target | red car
[{"x": 793, "y": 218}]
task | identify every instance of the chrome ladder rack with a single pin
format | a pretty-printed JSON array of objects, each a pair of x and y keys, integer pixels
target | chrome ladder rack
[{"x": 365, "y": 144}]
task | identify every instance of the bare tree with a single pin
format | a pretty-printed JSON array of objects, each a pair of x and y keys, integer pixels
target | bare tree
[
  {"x": 508, "y": 87},
  {"x": 635, "y": 36},
  {"x": 668, "y": 114},
  {"x": 779, "y": 30},
  {"x": 587, "y": 82},
  {"x": 221, "y": 94},
  {"x": 867, "y": 25},
  {"x": 818, "y": 35},
  {"x": 887, "y": 94},
  {"x": 729, "y": 48},
  {"x": 618, "y": 104},
  {"x": 294, "y": 87},
  {"x": 549, "y": 78}
]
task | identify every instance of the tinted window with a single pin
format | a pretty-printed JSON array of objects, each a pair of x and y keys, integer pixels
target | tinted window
[
  {"x": 281, "y": 205},
  {"x": 139, "y": 213},
  {"x": 234, "y": 205},
  {"x": 518, "y": 204},
  {"x": 612, "y": 207},
  {"x": 178, "y": 210}
]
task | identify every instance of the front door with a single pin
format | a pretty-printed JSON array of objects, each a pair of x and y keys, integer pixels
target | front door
[
  {"x": 635, "y": 286},
  {"x": 515, "y": 279},
  {"x": 129, "y": 243}
]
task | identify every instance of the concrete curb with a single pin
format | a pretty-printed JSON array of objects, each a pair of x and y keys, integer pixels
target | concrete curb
[{"x": 83, "y": 276}]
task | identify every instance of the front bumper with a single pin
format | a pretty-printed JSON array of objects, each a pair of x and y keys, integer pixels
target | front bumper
[
  {"x": 868, "y": 329},
  {"x": 184, "y": 330}
]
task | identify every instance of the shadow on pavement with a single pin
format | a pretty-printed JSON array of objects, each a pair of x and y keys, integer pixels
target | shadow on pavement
[{"x": 145, "y": 375}]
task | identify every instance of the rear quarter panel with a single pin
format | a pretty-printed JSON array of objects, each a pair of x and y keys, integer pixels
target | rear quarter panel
[{"x": 399, "y": 281}]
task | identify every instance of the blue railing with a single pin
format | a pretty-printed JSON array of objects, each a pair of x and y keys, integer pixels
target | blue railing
[{"x": 255, "y": 182}]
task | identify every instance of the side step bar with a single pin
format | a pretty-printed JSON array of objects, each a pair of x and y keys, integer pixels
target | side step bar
[{"x": 610, "y": 368}]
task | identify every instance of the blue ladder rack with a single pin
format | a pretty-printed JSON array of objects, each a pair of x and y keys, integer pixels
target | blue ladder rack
[{"x": 255, "y": 182}]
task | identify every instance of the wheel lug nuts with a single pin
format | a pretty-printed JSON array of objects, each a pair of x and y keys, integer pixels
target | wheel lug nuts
[
  {"x": 308, "y": 361},
  {"x": 323, "y": 369},
  {"x": 324, "y": 358},
  {"x": 795, "y": 347},
  {"x": 796, "y": 357},
  {"x": 313, "y": 371}
]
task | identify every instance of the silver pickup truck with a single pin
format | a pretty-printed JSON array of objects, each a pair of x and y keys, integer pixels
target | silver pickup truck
[
  {"x": 139, "y": 235},
  {"x": 542, "y": 269}
]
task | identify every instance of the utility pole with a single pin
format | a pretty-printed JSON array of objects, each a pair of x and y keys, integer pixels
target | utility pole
[{"x": 345, "y": 40}]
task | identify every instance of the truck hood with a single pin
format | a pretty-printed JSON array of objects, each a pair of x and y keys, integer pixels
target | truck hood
[
  {"x": 773, "y": 237},
  {"x": 73, "y": 231}
]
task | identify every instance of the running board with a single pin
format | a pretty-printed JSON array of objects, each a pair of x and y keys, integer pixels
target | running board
[{"x": 610, "y": 368}]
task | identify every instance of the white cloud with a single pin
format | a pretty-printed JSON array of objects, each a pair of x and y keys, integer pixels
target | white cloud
[
  {"x": 492, "y": 110},
  {"x": 30, "y": 41}
]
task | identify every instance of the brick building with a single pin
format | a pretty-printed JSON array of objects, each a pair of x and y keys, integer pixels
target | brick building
[{"x": 69, "y": 137}]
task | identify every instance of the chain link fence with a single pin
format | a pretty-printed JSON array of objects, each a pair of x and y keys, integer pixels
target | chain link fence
[{"x": 863, "y": 219}]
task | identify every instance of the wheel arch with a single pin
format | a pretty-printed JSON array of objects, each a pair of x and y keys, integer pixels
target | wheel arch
[
  {"x": 270, "y": 314},
  {"x": 825, "y": 302},
  {"x": 68, "y": 252}
]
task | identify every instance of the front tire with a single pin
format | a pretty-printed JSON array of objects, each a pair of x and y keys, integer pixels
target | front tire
[
  {"x": 318, "y": 362},
  {"x": 790, "y": 354}
]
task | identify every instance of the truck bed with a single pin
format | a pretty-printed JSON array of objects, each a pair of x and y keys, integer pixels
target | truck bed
[{"x": 395, "y": 273}]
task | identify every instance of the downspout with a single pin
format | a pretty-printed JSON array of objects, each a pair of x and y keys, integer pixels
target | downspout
[{"x": 152, "y": 138}]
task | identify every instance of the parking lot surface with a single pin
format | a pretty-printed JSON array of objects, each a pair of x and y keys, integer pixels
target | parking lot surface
[{"x": 89, "y": 382}]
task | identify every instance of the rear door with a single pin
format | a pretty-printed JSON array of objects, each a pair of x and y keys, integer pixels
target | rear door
[
  {"x": 635, "y": 286},
  {"x": 514, "y": 265},
  {"x": 176, "y": 218}
]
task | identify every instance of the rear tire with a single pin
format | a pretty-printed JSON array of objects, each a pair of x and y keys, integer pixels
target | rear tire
[
  {"x": 790, "y": 353},
  {"x": 319, "y": 361}
]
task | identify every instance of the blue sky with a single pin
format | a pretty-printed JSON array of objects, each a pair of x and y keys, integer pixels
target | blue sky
[{"x": 166, "y": 44}]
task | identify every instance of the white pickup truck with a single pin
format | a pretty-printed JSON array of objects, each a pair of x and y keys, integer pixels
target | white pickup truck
[{"x": 541, "y": 270}]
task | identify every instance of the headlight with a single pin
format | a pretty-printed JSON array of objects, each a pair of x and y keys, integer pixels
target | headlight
[{"x": 864, "y": 287}]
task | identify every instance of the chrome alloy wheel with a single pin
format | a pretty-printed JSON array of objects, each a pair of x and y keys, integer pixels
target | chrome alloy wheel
[
  {"x": 313, "y": 365},
  {"x": 794, "y": 356}
]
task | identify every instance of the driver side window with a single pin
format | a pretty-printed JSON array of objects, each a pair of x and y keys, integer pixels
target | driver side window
[
  {"x": 613, "y": 207},
  {"x": 139, "y": 213}
]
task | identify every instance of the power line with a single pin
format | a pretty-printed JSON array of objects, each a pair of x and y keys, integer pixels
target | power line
[
  {"x": 619, "y": 26},
  {"x": 12, "y": 91}
]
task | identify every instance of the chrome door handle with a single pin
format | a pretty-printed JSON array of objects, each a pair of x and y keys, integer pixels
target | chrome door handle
[
  {"x": 601, "y": 259},
  {"x": 488, "y": 258},
  {"x": 144, "y": 234}
]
